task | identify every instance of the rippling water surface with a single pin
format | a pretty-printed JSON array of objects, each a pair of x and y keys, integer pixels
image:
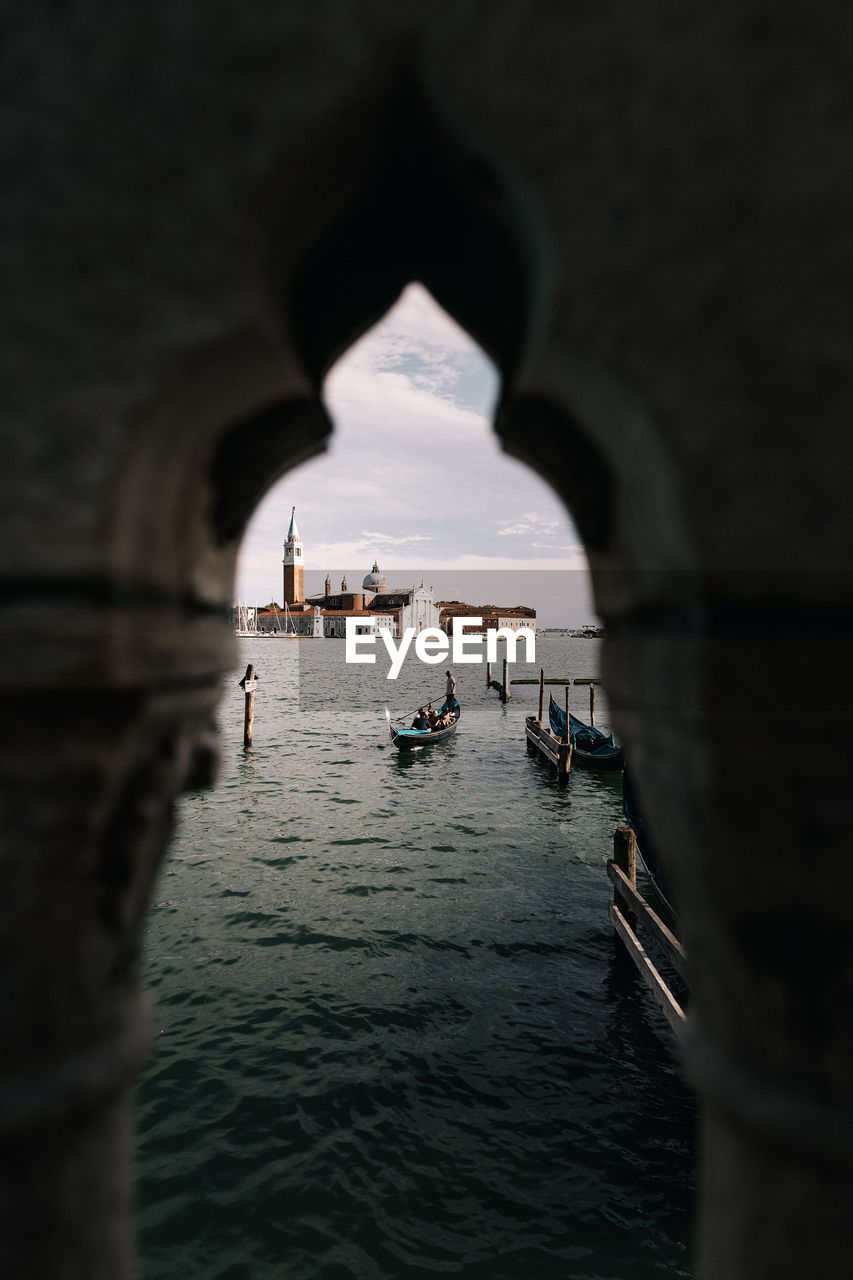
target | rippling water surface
[{"x": 393, "y": 1039}]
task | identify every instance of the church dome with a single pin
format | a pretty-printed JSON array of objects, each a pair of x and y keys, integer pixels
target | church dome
[{"x": 375, "y": 581}]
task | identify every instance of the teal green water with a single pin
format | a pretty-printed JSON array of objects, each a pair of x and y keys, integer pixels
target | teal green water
[{"x": 394, "y": 1041}]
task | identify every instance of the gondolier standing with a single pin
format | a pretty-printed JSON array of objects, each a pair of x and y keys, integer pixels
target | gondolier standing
[{"x": 451, "y": 689}]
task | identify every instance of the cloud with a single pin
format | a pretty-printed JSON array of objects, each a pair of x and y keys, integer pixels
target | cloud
[
  {"x": 388, "y": 404},
  {"x": 531, "y": 522},
  {"x": 497, "y": 564},
  {"x": 425, "y": 349},
  {"x": 573, "y": 547},
  {"x": 394, "y": 538},
  {"x": 414, "y": 323}
]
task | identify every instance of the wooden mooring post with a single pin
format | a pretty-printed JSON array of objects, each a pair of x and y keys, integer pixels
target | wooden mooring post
[
  {"x": 592, "y": 684},
  {"x": 503, "y": 689},
  {"x": 628, "y": 909},
  {"x": 248, "y": 684},
  {"x": 557, "y": 751}
]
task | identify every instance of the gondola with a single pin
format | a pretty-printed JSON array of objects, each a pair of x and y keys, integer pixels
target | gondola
[
  {"x": 646, "y": 848},
  {"x": 409, "y": 739},
  {"x": 591, "y": 749}
]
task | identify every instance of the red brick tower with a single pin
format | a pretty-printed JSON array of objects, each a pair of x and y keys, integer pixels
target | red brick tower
[{"x": 294, "y": 565}]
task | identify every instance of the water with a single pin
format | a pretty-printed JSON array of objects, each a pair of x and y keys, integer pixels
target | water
[{"x": 394, "y": 1039}]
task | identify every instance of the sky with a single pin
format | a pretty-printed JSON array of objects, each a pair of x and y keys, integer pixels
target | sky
[{"x": 415, "y": 479}]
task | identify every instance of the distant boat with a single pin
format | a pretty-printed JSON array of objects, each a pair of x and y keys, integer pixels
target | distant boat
[
  {"x": 409, "y": 739},
  {"x": 591, "y": 749},
  {"x": 646, "y": 847}
]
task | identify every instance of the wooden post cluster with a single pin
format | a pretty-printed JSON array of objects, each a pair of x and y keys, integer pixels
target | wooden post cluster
[{"x": 248, "y": 684}]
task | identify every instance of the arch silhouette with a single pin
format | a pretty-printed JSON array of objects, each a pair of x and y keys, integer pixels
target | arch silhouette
[{"x": 441, "y": 208}]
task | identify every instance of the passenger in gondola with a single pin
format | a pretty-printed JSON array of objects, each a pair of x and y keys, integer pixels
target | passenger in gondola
[
  {"x": 420, "y": 721},
  {"x": 447, "y": 719},
  {"x": 432, "y": 716}
]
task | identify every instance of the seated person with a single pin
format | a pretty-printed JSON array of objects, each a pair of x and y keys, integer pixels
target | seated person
[
  {"x": 447, "y": 718},
  {"x": 432, "y": 716},
  {"x": 420, "y": 721}
]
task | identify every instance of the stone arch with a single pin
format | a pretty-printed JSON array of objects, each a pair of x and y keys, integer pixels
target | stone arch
[
  {"x": 234, "y": 412},
  {"x": 436, "y": 204},
  {"x": 729, "y": 192}
]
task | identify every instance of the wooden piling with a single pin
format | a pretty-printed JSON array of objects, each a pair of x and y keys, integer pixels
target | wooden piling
[
  {"x": 248, "y": 684},
  {"x": 541, "y": 693},
  {"x": 491, "y": 683},
  {"x": 505, "y": 690},
  {"x": 592, "y": 703},
  {"x": 568, "y": 722}
]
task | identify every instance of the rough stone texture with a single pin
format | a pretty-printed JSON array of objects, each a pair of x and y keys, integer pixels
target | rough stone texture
[{"x": 643, "y": 213}]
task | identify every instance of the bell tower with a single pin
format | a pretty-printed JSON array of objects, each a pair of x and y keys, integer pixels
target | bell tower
[{"x": 294, "y": 565}]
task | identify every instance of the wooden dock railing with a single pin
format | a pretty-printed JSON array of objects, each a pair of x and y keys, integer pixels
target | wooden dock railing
[
  {"x": 557, "y": 751},
  {"x": 630, "y": 909}
]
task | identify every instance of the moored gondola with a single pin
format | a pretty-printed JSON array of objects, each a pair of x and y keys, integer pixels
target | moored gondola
[
  {"x": 591, "y": 749},
  {"x": 410, "y": 739}
]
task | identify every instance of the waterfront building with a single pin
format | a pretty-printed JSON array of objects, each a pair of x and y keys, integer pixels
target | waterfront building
[
  {"x": 374, "y": 604},
  {"x": 495, "y": 617}
]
